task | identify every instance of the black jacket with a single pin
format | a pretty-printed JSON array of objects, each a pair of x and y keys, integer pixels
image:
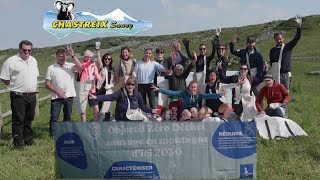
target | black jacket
[
  {"x": 178, "y": 83},
  {"x": 286, "y": 54},
  {"x": 255, "y": 61},
  {"x": 136, "y": 102}
]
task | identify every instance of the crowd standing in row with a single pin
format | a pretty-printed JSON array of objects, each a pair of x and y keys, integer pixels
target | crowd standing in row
[{"x": 92, "y": 81}]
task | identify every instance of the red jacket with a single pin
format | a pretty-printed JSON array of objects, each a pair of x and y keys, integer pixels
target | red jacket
[{"x": 275, "y": 94}]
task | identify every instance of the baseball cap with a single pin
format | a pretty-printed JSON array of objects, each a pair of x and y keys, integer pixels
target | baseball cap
[{"x": 267, "y": 77}]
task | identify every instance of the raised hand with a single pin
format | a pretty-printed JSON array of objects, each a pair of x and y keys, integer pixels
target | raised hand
[
  {"x": 185, "y": 42},
  {"x": 217, "y": 31},
  {"x": 98, "y": 43},
  {"x": 70, "y": 50},
  {"x": 234, "y": 39},
  {"x": 173, "y": 57},
  {"x": 195, "y": 58},
  {"x": 299, "y": 20}
]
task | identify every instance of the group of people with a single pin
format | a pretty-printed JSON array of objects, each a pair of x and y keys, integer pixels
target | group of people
[{"x": 92, "y": 81}]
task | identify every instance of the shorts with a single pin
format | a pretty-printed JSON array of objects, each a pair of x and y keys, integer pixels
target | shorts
[
  {"x": 93, "y": 102},
  {"x": 215, "y": 106},
  {"x": 82, "y": 99}
]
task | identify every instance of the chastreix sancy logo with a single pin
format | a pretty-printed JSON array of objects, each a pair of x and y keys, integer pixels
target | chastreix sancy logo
[{"x": 64, "y": 21}]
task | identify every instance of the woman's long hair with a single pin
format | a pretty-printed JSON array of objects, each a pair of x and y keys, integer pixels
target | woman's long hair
[
  {"x": 216, "y": 83},
  {"x": 104, "y": 63}
]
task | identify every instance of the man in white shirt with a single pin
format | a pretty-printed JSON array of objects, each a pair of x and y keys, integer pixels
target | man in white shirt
[
  {"x": 59, "y": 80},
  {"x": 20, "y": 73}
]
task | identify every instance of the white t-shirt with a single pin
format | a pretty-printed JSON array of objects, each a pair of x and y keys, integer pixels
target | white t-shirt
[
  {"x": 23, "y": 74},
  {"x": 145, "y": 71},
  {"x": 62, "y": 78},
  {"x": 244, "y": 90}
]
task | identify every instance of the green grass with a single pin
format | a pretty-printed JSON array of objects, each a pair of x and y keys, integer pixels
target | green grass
[{"x": 297, "y": 158}]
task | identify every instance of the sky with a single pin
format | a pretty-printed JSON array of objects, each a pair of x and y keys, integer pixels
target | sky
[{"x": 22, "y": 19}]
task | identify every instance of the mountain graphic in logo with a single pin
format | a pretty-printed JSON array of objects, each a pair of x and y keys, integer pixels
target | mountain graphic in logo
[{"x": 92, "y": 24}]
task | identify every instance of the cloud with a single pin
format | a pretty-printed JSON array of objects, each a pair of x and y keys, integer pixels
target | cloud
[
  {"x": 196, "y": 10},
  {"x": 227, "y": 5},
  {"x": 167, "y": 4},
  {"x": 10, "y": 4}
]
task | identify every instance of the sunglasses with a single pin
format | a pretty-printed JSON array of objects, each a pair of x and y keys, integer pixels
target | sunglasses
[
  {"x": 130, "y": 84},
  {"x": 202, "y": 49},
  {"x": 26, "y": 50},
  {"x": 108, "y": 59},
  {"x": 160, "y": 52},
  {"x": 243, "y": 68}
]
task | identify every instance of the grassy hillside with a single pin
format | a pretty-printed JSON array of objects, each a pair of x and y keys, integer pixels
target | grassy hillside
[{"x": 297, "y": 158}]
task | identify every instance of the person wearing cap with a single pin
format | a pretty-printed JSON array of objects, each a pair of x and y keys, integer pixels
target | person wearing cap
[
  {"x": 285, "y": 60},
  {"x": 251, "y": 57},
  {"x": 277, "y": 98},
  {"x": 86, "y": 77}
]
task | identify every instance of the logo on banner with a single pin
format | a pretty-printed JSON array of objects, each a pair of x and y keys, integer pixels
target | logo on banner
[
  {"x": 64, "y": 21},
  {"x": 246, "y": 171},
  {"x": 95, "y": 130}
]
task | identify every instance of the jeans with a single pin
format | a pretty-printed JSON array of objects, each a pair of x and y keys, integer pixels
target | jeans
[
  {"x": 23, "y": 110},
  {"x": 279, "y": 112},
  {"x": 56, "y": 105}
]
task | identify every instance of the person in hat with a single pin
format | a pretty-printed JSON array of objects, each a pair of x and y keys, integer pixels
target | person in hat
[
  {"x": 277, "y": 98},
  {"x": 251, "y": 57},
  {"x": 88, "y": 74}
]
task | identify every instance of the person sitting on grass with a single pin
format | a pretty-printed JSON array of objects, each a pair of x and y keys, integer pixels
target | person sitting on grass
[
  {"x": 277, "y": 98},
  {"x": 122, "y": 106},
  {"x": 216, "y": 105},
  {"x": 190, "y": 97}
]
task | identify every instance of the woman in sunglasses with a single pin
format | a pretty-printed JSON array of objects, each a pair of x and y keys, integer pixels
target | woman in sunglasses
[
  {"x": 105, "y": 85},
  {"x": 242, "y": 94},
  {"x": 120, "y": 97},
  {"x": 190, "y": 98},
  {"x": 203, "y": 62},
  {"x": 222, "y": 62}
]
